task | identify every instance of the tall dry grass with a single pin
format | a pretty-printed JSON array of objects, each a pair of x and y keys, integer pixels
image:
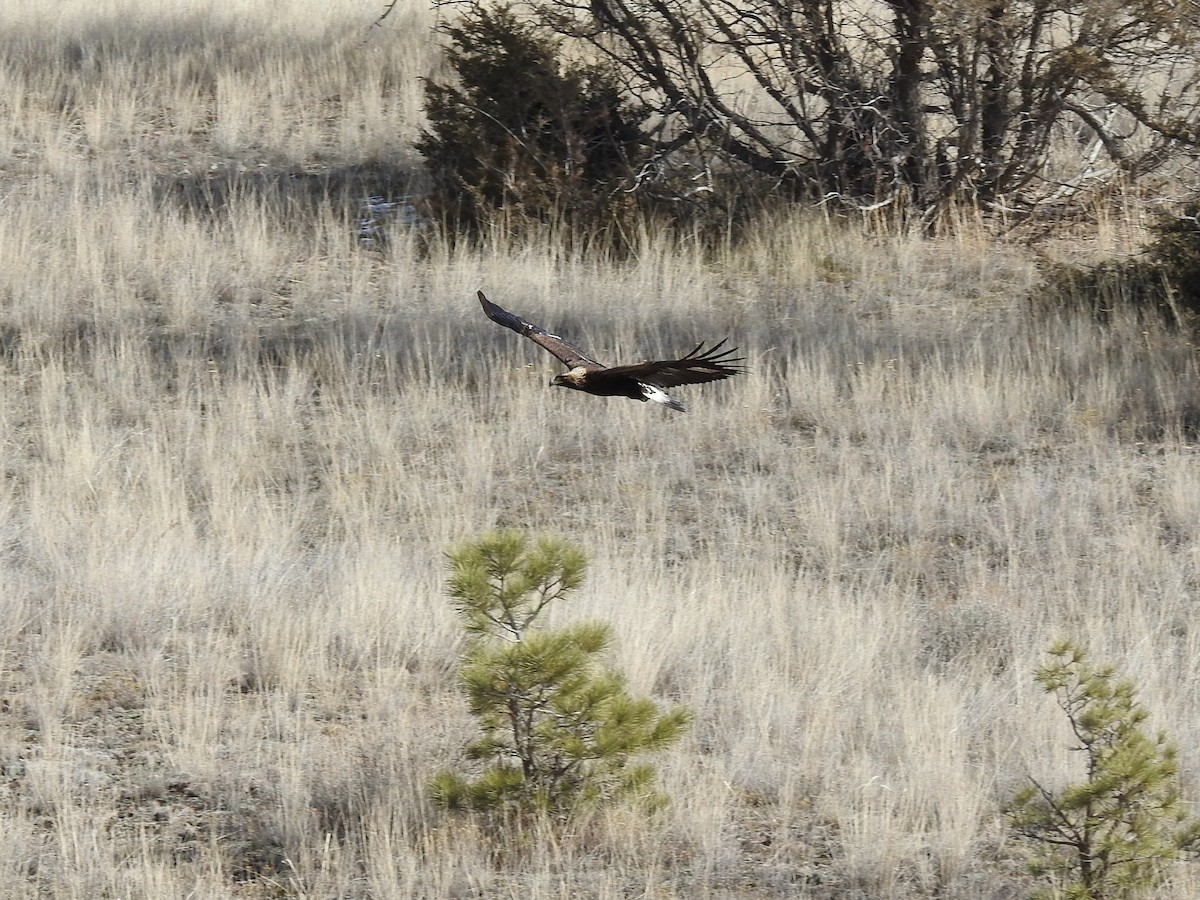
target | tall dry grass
[{"x": 236, "y": 446}]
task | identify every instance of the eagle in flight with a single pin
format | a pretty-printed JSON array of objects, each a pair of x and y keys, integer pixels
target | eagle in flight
[{"x": 641, "y": 381}]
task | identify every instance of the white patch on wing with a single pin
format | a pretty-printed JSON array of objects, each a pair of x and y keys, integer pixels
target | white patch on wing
[{"x": 658, "y": 395}]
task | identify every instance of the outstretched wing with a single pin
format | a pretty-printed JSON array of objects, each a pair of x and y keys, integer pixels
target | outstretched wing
[
  {"x": 697, "y": 367},
  {"x": 570, "y": 355}
]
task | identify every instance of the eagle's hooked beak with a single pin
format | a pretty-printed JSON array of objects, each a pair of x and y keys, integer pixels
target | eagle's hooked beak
[{"x": 556, "y": 381}]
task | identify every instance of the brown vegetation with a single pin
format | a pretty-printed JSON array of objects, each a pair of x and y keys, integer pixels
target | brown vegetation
[{"x": 236, "y": 446}]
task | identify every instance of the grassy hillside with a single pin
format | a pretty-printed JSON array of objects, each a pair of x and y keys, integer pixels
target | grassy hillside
[{"x": 236, "y": 445}]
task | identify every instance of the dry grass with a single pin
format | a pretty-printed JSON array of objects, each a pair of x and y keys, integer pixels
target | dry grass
[{"x": 236, "y": 445}]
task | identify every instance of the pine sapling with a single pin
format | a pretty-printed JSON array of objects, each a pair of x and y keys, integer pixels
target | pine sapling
[
  {"x": 1111, "y": 835},
  {"x": 559, "y": 730}
]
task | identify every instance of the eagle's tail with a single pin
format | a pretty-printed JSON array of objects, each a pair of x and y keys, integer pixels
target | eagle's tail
[{"x": 658, "y": 395}]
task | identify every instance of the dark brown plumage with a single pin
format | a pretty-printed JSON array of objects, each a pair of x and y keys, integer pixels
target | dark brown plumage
[{"x": 640, "y": 381}]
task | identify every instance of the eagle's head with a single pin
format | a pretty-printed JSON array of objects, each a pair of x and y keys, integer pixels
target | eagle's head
[{"x": 576, "y": 379}]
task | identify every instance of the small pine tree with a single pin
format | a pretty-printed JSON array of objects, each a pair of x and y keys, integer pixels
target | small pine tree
[
  {"x": 1164, "y": 282},
  {"x": 559, "y": 731},
  {"x": 1109, "y": 836},
  {"x": 1175, "y": 256}
]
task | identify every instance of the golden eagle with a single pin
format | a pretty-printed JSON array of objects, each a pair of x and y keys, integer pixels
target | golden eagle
[{"x": 641, "y": 381}]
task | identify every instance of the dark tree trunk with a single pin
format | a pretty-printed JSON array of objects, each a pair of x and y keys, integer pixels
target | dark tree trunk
[
  {"x": 911, "y": 26},
  {"x": 994, "y": 91}
]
